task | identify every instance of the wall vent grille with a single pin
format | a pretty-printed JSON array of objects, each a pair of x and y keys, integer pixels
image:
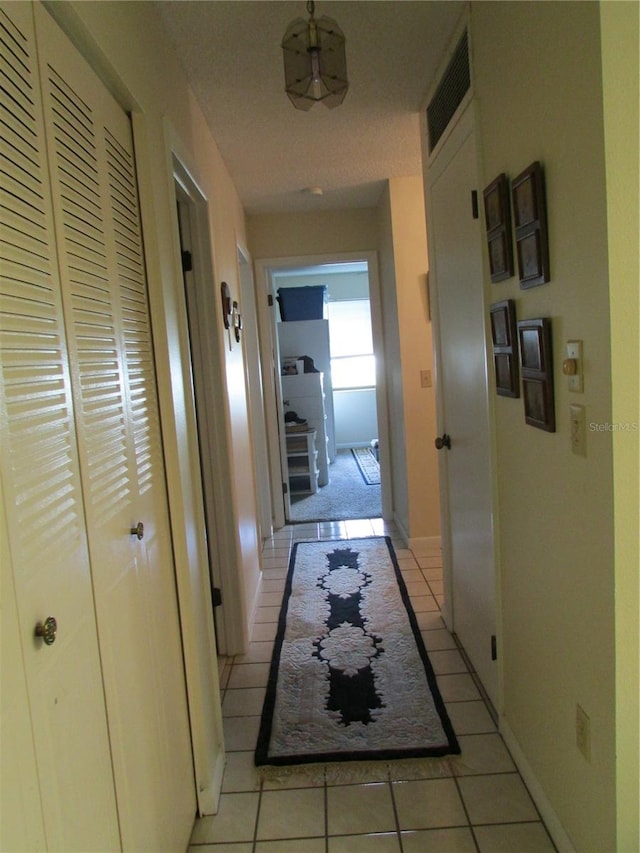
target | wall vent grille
[{"x": 452, "y": 88}]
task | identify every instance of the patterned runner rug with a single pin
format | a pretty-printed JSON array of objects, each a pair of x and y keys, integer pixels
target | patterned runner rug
[
  {"x": 350, "y": 679},
  {"x": 368, "y": 465}
]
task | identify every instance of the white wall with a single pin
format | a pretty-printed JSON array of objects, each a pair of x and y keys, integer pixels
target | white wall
[
  {"x": 539, "y": 93},
  {"x": 355, "y": 417}
]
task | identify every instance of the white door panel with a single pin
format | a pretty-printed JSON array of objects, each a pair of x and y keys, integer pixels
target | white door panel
[
  {"x": 456, "y": 252},
  {"x": 41, "y": 482},
  {"x": 109, "y": 337},
  {"x": 82, "y": 461}
]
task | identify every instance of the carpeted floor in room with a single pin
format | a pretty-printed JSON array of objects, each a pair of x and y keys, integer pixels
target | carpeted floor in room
[{"x": 345, "y": 496}]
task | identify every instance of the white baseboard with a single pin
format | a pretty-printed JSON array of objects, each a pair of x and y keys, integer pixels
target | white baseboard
[{"x": 550, "y": 818}]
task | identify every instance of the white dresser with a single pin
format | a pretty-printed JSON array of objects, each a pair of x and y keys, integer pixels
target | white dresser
[
  {"x": 304, "y": 394},
  {"x": 311, "y": 337}
]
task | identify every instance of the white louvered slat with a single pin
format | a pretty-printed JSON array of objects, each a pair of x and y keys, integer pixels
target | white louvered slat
[
  {"x": 41, "y": 486},
  {"x": 135, "y": 312},
  {"x": 92, "y": 320}
]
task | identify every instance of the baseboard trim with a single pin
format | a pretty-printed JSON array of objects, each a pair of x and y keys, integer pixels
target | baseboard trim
[
  {"x": 547, "y": 813},
  {"x": 209, "y": 799},
  {"x": 401, "y": 530},
  {"x": 425, "y": 542}
]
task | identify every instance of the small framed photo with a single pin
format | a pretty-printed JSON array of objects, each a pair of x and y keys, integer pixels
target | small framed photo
[
  {"x": 497, "y": 215},
  {"x": 505, "y": 348},
  {"x": 530, "y": 221},
  {"x": 536, "y": 360}
]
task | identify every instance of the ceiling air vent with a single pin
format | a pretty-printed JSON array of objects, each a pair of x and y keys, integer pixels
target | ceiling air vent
[{"x": 450, "y": 92}]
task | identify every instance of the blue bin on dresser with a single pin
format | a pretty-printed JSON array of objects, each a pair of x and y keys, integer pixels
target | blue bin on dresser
[{"x": 302, "y": 303}]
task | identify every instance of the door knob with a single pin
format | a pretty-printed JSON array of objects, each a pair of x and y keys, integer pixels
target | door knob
[
  {"x": 138, "y": 530},
  {"x": 443, "y": 440},
  {"x": 47, "y": 630}
]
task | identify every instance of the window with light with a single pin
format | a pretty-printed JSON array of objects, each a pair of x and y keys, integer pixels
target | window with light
[{"x": 351, "y": 341}]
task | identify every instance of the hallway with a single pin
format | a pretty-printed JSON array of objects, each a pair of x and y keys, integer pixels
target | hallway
[{"x": 482, "y": 805}]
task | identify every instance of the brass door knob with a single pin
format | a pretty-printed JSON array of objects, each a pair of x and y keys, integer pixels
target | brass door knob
[
  {"x": 138, "y": 530},
  {"x": 47, "y": 630}
]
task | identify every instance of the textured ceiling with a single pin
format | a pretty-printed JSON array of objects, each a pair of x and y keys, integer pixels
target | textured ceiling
[{"x": 231, "y": 54}]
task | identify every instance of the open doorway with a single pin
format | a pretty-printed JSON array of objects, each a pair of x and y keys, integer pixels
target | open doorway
[{"x": 326, "y": 369}]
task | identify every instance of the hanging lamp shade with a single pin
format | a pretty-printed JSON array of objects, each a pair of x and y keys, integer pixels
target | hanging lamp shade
[{"x": 315, "y": 62}]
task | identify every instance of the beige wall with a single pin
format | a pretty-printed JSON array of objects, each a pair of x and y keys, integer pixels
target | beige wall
[
  {"x": 409, "y": 236},
  {"x": 539, "y": 91},
  {"x": 293, "y": 235},
  {"x": 619, "y": 34},
  {"x": 397, "y": 231}
]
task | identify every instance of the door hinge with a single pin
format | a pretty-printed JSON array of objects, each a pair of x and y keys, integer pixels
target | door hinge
[
  {"x": 474, "y": 203},
  {"x": 494, "y": 647},
  {"x": 216, "y": 596},
  {"x": 187, "y": 261},
  {"x": 285, "y": 489},
  {"x": 270, "y": 300}
]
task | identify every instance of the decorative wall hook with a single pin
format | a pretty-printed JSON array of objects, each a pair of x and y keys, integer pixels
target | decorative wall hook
[
  {"x": 236, "y": 318},
  {"x": 225, "y": 296}
]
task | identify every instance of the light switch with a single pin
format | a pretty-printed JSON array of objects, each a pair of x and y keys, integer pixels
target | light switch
[
  {"x": 572, "y": 367},
  {"x": 578, "y": 423},
  {"x": 425, "y": 379}
]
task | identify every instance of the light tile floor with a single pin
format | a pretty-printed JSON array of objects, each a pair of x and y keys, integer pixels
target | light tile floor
[{"x": 480, "y": 804}]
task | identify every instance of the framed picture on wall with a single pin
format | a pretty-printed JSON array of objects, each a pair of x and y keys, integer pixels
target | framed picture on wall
[
  {"x": 505, "y": 348},
  {"x": 530, "y": 221},
  {"x": 537, "y": 373},
  {"x": 497, "y": 216}
]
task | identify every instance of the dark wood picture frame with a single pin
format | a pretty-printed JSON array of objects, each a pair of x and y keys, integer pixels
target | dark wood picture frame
[
  {"x": 536, "y": 364},
  {"x": 497, "y": 217},
  {"x": 530, "y": 221},
  {"x": 505, "y": 348}
]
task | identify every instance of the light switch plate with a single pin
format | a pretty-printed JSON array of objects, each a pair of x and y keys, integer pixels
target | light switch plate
[
  {"x": 576, "y": 382},
  {"x": 578, "y": 423}
]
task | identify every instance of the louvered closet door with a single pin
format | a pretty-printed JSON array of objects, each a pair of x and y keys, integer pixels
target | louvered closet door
[
  {"x": 41, "y": 484},
  {"x": 109, "y": 337}
]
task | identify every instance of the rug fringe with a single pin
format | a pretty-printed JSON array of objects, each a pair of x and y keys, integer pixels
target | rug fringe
[{"x": 353, "y": 772}]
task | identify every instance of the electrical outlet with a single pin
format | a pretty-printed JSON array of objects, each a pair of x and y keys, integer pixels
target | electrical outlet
[
  {"x": 583, "y": 732},
  {"x": 578, "y": 423}
]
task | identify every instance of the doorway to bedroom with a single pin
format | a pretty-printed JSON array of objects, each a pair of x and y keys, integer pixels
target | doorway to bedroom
[{"x": 326, "y": 355}]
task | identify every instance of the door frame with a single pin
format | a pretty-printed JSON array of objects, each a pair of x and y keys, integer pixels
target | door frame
[
  {"x": 255, "y": 393},
  {"x": 462, "y": 125},
  {"x": 264, "y": 270},
  {"x": 208, "y": 392}
]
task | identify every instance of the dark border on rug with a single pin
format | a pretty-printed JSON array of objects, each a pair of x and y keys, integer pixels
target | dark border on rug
[
  {"x": 363, "y": 473},
  {"x": 264, "y": 733}
]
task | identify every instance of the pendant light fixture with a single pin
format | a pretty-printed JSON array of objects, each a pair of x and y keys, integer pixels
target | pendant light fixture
[{"x": 315, "y": 62}]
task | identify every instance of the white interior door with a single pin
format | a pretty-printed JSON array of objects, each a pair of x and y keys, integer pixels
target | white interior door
[
  {"x": 47, "y": 543},
  {"x": 90, "y": 151},
  {"x": 82, "y": 461},
  {"x": 465, "y": 468}
]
